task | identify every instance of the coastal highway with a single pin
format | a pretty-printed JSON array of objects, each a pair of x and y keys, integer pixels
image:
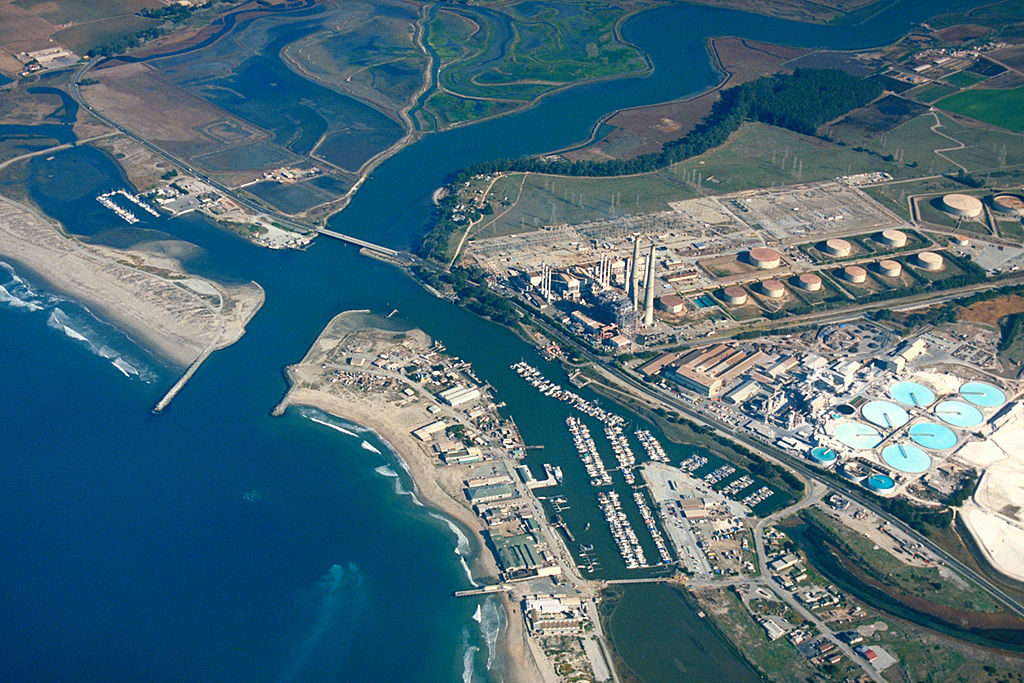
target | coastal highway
[
  {"x": 783, "y": 459},
  {"x": 284, "y": 220}
]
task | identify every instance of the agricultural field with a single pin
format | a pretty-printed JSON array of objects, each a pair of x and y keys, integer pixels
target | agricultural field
[
  {"x": 879, "y": 117},
  {"x": 964, "y": 79},
  {"x": 1003, "y": 108},
  {"x": 59, "y": 12},
  {"x": 930, "y": 93}
]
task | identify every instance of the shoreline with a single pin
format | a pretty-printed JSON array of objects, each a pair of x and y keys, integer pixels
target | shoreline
[
  {"x": 511, "y": 644},
  {"x": 438, "y": 488},
  {"x": 175, "y": 315}
]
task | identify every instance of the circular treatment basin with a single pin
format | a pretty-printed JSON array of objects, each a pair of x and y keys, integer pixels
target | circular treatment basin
[
  {"x": 858, "y": 435},
  {"x": 885, "y": 414},
  {"x": 912, "y": 394},
  {"x": 982, "y": 394},
  {"x": 932, "y": 435},
  {"x": 958, "y": 414},
  {"x": 880, "y": 483},
  {"x": 846, "y": 409},
  {"x": 907, "y": 458},
  {"x": 823, "y": 456}
]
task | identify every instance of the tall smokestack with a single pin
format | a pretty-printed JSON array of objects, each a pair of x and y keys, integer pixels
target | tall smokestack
[
  {"x": 634, "y": 274},
  {"x": 649, "y": 293}
]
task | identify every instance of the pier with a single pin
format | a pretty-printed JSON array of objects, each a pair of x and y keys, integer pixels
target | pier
[
  {"x": 182, "y": 381},
  {"x": 483, "y": 590}
]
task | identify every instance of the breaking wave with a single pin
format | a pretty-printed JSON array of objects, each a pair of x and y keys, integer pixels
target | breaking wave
[
  {"x": 366, "y": 445},
  {"x": 16, "y": 293},
  {"x": 491, "y": 618},
  {"x": 386, "y": 471},
  {"x": 462, "y": 547},
  {"x": 400, "y": 489},
  {"x": 322, "y": 418},
  {"x": 74, "y": 321},
  {"x": 467, "y": 664}
]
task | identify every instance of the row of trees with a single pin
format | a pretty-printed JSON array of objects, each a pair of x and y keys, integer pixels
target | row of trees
[
  {"x": 800, "y": 101},
  {"x": 125, "y": 43},
  {"x": 467, "y": 284}
]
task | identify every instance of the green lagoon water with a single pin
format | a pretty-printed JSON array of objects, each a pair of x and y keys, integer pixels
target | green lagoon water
[{"x": 215, "y": 543}]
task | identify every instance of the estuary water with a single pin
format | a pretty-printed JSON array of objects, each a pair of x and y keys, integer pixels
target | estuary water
[{"x": 216, "y": 543}]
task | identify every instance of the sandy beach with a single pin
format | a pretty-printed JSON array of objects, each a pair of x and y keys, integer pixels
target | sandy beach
[
  {"x": 176, "y": 315},
  {"x": 437, "y": 486}
]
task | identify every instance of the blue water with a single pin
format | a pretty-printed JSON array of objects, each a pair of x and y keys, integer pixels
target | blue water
[
  {"x": 906, "y": 458},
  {"x": 214, "y": 542},
  {"x": 885, "y": 414},
  {"x": 858, "y": 435},
  {"x": 958, "y": 413},
  {"x": 912, "y": 394},
  {"x": 983, "y": 394},
  {"x": 932, "y": 435},
  {"x": 879, "y": 482}
]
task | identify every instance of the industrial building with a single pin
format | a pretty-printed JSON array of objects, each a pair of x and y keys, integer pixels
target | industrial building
[
  {"x": 929, "y": 260},
  {"x": 516, "y": 553},
  {"x": 427, "y": 432},
  {"x": 896, "y": 361},
  {"x": 671, "y": 303},
  {"x": 710, "y": 369},
  {"x": 893, "y": 238},
  {"x": 837, "y": 247},
  {"x": 764, "y": 258},
  {"x": 961, "y": 205},
  {"x": 457, "y": 396},
  {"x": 1008, "y": 204}
]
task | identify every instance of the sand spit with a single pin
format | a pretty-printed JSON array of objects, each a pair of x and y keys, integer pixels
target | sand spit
[{"x": 178, "y": 316}]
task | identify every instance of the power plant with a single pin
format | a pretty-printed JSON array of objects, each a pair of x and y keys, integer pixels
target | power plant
[
  {"x": 634, "y": 274},
  {"x": 649, "y": 290}
]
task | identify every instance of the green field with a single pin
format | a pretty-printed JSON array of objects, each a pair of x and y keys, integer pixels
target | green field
[
  {"x": 930, "y": 93},
  {"x": 964, "y": 79},
  {"x": 451, "y": 109},
  {"x": 757, "y": 155},
  {"x": 997, "y": 14},
  {"x": 984, "y": 149},
  {"x": 1003, "y": 108}
]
